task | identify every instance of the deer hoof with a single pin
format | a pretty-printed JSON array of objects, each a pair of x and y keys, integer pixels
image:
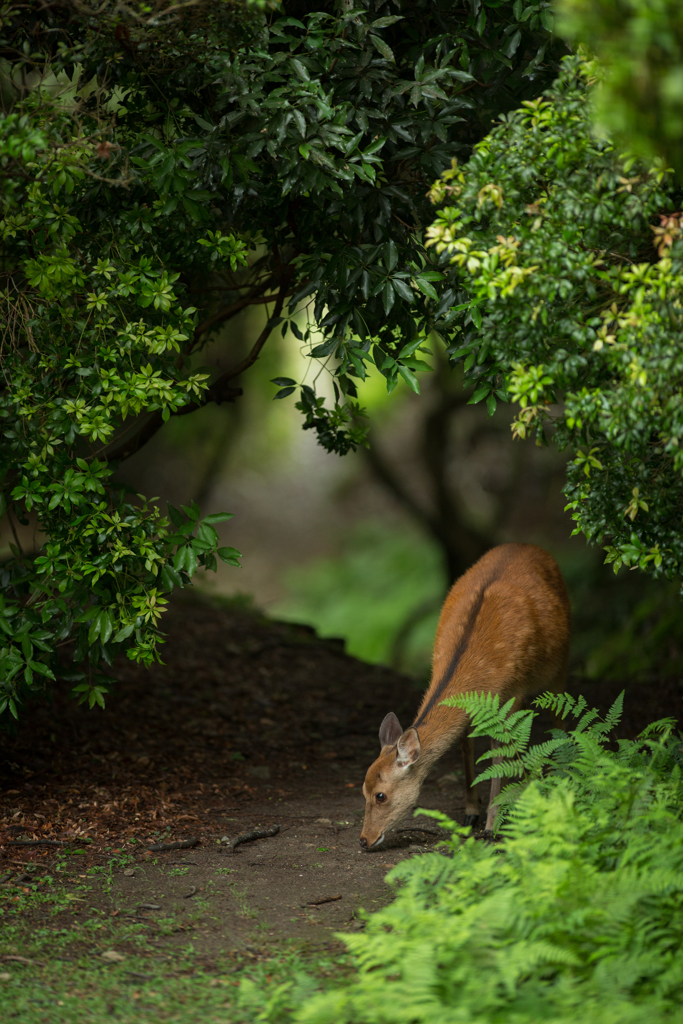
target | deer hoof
[{"x": 471, "y": 820}]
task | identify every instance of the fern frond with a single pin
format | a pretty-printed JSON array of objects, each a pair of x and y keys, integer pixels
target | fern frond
[
  {"x": 503, "y": 750},
  {"x": 613, "y": 716},
  {"x": 504, "y": 770},
  {"x": 561, "y": 704},
  {"x": 540, "y": 755},
  {"x": 511, "y": 729},
  {"x": 487, "y": 717},
  {"x": 662, "y": 725}
]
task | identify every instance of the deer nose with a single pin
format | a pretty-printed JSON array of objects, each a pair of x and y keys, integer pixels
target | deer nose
[{"x": 363, "y": 842}]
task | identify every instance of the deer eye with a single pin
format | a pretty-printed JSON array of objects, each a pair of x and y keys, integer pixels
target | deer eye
[{"x": 380, "y": 797}]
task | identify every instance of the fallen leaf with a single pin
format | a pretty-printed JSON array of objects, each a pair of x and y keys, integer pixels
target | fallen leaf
[{"x": 112, "y": 956}]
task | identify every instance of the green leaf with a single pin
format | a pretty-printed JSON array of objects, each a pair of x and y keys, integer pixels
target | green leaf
[
  {"x": 229, "y": 555},
  {"x": 409, "y": 378},
  {"x": 382, "y": 47},
  {"x": 217, "y": 517},
  {"x": 480, "y": 394},
  {"x": 426, "y": 287},
  {"x": 175, "y": 515},
  {"x": 283, "y": 382},
  {"x": 124, "y": 633},
  {"x": 388, "y": 297},
  {"x": 326, "y": 348},
  {"x": 401, "y": 288},
  {"x": 390, "y": 255},
  {"x": 190, "y": 561}
]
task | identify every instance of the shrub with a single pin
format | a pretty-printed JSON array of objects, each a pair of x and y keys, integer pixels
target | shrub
[{"x": 572, "y": 256}]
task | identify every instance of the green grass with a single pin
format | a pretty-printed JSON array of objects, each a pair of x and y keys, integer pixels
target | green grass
[
  {"x": 80, "y": 965},
  {"x": 85, "y": 987}
]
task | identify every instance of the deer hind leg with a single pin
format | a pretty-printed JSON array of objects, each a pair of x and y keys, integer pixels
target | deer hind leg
[
  {"x": 496, "y": 786},
  {"x": 471, "y": 791}
]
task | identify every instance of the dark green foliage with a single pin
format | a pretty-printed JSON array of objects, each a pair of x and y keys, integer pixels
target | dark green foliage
[
  {"x": 318, "y": 131},
  {"x": 577, "y": 916},
  {"x": 573, "y": 264},
  {"x": 91, "y": 334}
]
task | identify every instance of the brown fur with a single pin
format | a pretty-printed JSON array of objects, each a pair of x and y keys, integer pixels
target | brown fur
[{"x": 504, "y": 628}]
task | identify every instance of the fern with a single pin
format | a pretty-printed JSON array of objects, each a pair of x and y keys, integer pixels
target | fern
[
  {"x": 577, "y": 916},
  {"x": 577, "y": 751}
]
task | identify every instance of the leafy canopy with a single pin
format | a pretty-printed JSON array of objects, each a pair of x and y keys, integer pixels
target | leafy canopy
[
  {"x": 92, "y": 329},
  {"x": 156, "y": 155}
]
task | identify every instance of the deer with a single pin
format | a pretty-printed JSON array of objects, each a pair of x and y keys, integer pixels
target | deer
[{"x": 503, "y": 629}]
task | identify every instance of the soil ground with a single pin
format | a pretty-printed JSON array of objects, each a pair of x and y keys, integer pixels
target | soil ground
[{"x": 248, "y": 724}]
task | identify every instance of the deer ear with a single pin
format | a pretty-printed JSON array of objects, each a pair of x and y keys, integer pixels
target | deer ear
[
  {"x": 389, "y": 730},
  {"x": 408, "y": 748}
]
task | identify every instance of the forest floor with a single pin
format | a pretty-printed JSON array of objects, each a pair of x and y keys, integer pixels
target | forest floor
[{"x": 248, "y": 725}]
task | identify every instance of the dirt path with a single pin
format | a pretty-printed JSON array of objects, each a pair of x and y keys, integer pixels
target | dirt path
[{"x": 249, "y": 723}]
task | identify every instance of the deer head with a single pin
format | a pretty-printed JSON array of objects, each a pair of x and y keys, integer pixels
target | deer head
[{"x": 393, "y": 781}]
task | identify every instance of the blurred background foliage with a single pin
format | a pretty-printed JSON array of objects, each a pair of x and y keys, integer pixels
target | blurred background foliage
[{"x": 349, "y": 545}]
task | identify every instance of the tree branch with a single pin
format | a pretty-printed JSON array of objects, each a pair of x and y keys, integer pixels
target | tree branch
[
  {"x": 227, "y": 312},
  {"x": 250, "y": 359},
  {"x": 391, "y": 481}
]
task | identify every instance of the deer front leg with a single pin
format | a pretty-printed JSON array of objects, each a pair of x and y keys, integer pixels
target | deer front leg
[
  {"x": 496, "y": 786},
  {"x": 471, "y": 792}
]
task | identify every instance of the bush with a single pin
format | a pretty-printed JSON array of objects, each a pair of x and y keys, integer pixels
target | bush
[
  {"x": 577, "y": 916},
  {"x": 572, "y": 256},
  {"x": 92, "y": 329}
]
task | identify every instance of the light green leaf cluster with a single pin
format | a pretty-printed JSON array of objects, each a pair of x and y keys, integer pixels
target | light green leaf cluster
[{"x": 572, "y": 255}]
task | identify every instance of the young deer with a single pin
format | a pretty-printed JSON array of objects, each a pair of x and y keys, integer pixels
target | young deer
[{"x": 504, "y": 629}]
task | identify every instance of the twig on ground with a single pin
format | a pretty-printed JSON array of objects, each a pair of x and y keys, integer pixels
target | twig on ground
[
  {"x": 324, "y": 899},
  {"x": 186, "y": 844},
  {"x": 20, "y": 960},
  {"x": 27, "y": 863},
  {"x": 193, "y": 889},
  {"x": 248, "y": 837},
  {"x": 39, "y": 842}
]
